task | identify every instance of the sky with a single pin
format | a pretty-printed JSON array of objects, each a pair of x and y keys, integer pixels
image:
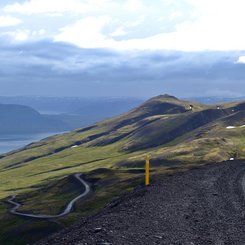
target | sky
[{"x": 136, "y": 48}]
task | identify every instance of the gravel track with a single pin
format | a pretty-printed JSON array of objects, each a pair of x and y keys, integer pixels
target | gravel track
[
  {"x": 66, "y": 211},
  {"x": 201, "y": 206}
]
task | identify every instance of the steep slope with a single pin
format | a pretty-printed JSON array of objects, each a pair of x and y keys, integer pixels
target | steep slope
[{"x": 201, "y": 206}]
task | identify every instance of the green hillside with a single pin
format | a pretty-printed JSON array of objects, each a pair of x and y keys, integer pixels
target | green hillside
[{"x": 111, "y": 156}]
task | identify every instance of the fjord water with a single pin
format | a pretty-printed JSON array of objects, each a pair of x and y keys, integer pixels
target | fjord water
[{"x": 15, "y": 141}]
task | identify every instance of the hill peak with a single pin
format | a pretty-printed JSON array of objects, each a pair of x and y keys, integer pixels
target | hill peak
[{"x": 164, "y": 96}]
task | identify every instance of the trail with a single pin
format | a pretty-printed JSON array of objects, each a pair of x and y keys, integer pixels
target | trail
[{"x": 66, "y": 211}]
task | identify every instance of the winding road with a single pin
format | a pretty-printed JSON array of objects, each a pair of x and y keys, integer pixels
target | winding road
[{"x": 66, "y": 211}]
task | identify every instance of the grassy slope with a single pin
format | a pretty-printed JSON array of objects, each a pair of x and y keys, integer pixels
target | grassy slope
[{"x": 107, "y": 153}]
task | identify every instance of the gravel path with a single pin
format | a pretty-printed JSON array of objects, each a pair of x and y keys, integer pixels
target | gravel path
[
  {"x": 201, "y": 206},
  {"x": 66, "y": 211}
]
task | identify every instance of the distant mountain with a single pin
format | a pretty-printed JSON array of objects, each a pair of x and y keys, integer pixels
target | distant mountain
[
  {"x": 74, "y": 112},
  {"x": 19, "y": 119},
  {"x": 214, "y": 100},
  {"x": 95, "y": 108}
]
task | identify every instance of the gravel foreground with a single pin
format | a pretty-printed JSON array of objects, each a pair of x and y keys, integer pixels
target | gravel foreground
[{"x": 202, "y": 206}]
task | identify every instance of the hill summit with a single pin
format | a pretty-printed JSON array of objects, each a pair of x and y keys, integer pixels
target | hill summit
[{"x": 165, "y": 96}]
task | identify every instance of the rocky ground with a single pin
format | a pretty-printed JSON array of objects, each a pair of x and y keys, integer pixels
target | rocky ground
[{"x": 201, "y": 206}]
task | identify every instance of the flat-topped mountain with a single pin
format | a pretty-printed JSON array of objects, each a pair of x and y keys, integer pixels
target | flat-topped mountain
[{"x": 20, "y": 119}]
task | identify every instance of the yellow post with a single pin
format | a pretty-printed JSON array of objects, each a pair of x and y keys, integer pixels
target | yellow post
[{"x": 147, "y": 170}]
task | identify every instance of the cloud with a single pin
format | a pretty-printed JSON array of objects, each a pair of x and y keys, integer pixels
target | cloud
[
  {"x": 43, "y": 67},
  {"x": 7, "y": 20},
  {"x": 134, "y": 5},
  {"x": 39, "y": 6},
  {"x": 118, "y": 32},
  {"x": 21, "y": 35},
  {"x": 130, "y": 22},
  {"x": 208, "y": 27},
  {"x": 241, "y": 60},
  {"x": 86, "y": 32},
  {"x": 218, "y": 25},
  {"x": 54, "y": 6}
]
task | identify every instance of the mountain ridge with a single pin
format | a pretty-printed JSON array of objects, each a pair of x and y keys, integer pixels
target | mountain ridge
[{"x": 111, "y": 155}]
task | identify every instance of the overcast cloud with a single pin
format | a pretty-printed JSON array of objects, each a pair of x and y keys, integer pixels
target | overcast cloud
[{"x": 122, "y": 48}]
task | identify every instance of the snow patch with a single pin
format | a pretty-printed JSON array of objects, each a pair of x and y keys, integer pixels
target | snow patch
[
  {"x": 74, "y": 146},
  {"x": 229, "y": 127}
]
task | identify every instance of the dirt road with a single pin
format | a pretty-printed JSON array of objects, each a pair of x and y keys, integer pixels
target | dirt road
[
  {"x": 66, "y": 211},
  {"x": 200, "y": 206}
]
